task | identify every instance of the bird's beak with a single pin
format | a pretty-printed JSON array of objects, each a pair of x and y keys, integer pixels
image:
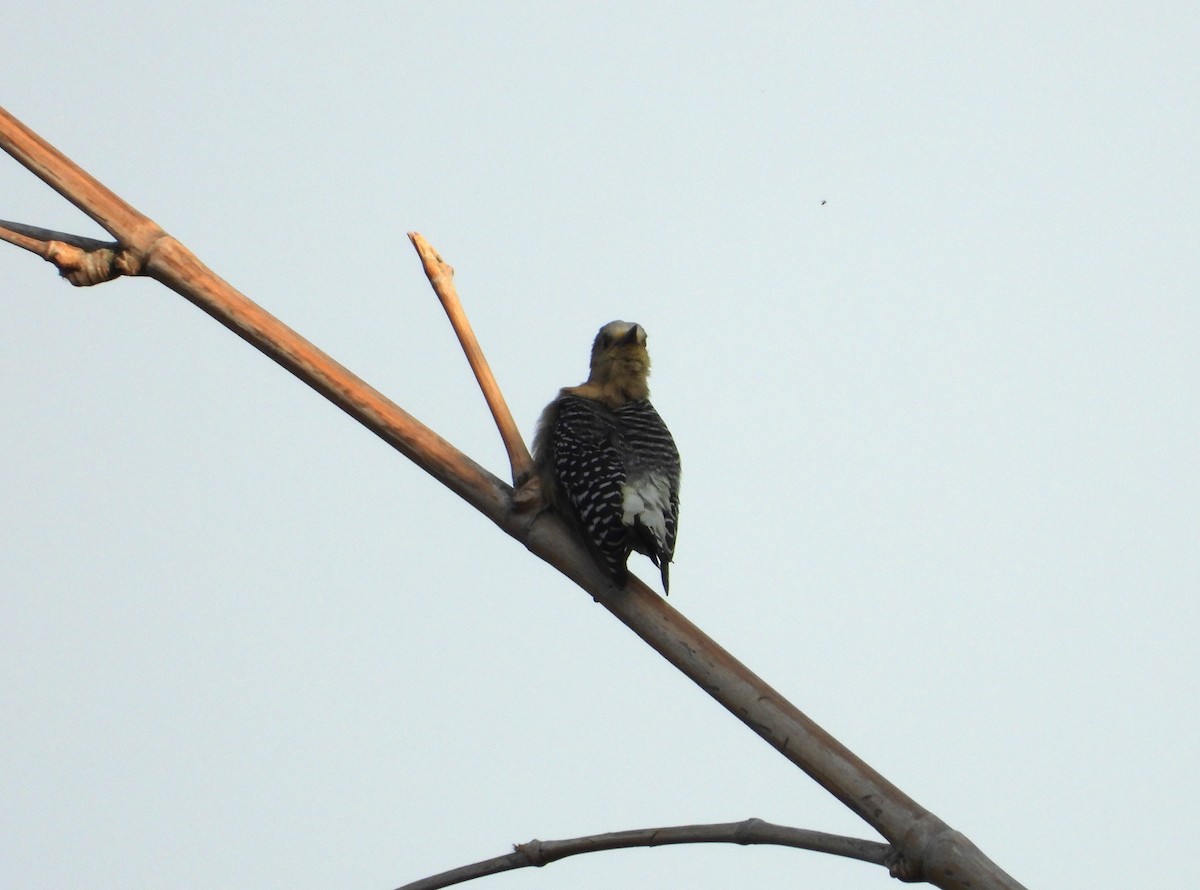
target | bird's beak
[{"x": 633, "y": 336}]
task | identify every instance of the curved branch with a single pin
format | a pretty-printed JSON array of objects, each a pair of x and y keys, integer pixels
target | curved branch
[
  {"x": 926, "y": 848},
  {"x": 441, "y": 277},
  {"x": 537, "y": 853}
]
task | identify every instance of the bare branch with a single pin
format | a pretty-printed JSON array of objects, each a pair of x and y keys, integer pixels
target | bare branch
[
  {"x": 51, "y": 166},
  {"x": 27, "y": 235},
  {"x": 82, "y": 261},
  {"x": 441, "y": 277},
  {"x": 751, "y": 831}
]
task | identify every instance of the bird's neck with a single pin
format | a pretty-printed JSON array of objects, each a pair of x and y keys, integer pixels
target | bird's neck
[{"x": 613, "y": 392}]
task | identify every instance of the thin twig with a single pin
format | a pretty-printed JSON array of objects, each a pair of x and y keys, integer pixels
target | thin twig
[
  {"x": 82, "y": 261},
  {"x": 536, "y": 853},
  {"x": 30, "y": 237},
  {"x": 441, "y": 277}
]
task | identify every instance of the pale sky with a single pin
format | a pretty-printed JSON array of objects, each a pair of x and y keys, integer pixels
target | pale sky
[{"x": 923, "y": 295}]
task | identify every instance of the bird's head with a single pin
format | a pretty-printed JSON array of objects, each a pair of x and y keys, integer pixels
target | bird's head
[{"x": 620, "y": 362}]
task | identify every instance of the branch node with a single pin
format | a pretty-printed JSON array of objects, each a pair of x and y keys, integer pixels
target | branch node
[
  {"x": 742, "y": 834},
  {"x": 82, "y": 261},
  {"x": 130, "y": 262},
  {"x": 528, "y": 495},
  {"x": 82, "y": 267},
  {"x": 533, "y": 852},
  {"x": 907, "y": 861}
]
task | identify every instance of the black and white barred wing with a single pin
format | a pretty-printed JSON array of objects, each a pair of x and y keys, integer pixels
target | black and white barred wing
[{"x": 589, "y": 465}]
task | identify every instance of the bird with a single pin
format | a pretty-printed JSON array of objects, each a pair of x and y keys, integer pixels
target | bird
[{"x": 607, "y": 461}]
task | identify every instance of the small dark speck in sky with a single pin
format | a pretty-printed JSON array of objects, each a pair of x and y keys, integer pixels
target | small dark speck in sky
[{"x": 822, "y": 203}]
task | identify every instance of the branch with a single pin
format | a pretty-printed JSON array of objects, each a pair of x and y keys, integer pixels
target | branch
[
  {"x": 52, "y": 167},
  {"x": 537, "y": 853},
  {"x": 441, "y": 277},
  {"x": 925, "y": 847},
  {"x": 82, "y": 261}
]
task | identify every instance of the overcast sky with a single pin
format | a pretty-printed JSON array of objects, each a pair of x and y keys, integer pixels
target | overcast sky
[{"x": 922, "y": 289}]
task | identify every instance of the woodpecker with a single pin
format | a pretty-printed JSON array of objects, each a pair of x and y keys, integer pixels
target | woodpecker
[{"x": 607, "y": 460}]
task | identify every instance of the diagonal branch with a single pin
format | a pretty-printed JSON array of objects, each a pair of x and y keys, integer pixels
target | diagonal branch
[
  {"x": 536, "y": 853},
  {"x": 52, "y": 167},
  {"x": 441, "y": 277},
  {"x": 926, "y": 848}
]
